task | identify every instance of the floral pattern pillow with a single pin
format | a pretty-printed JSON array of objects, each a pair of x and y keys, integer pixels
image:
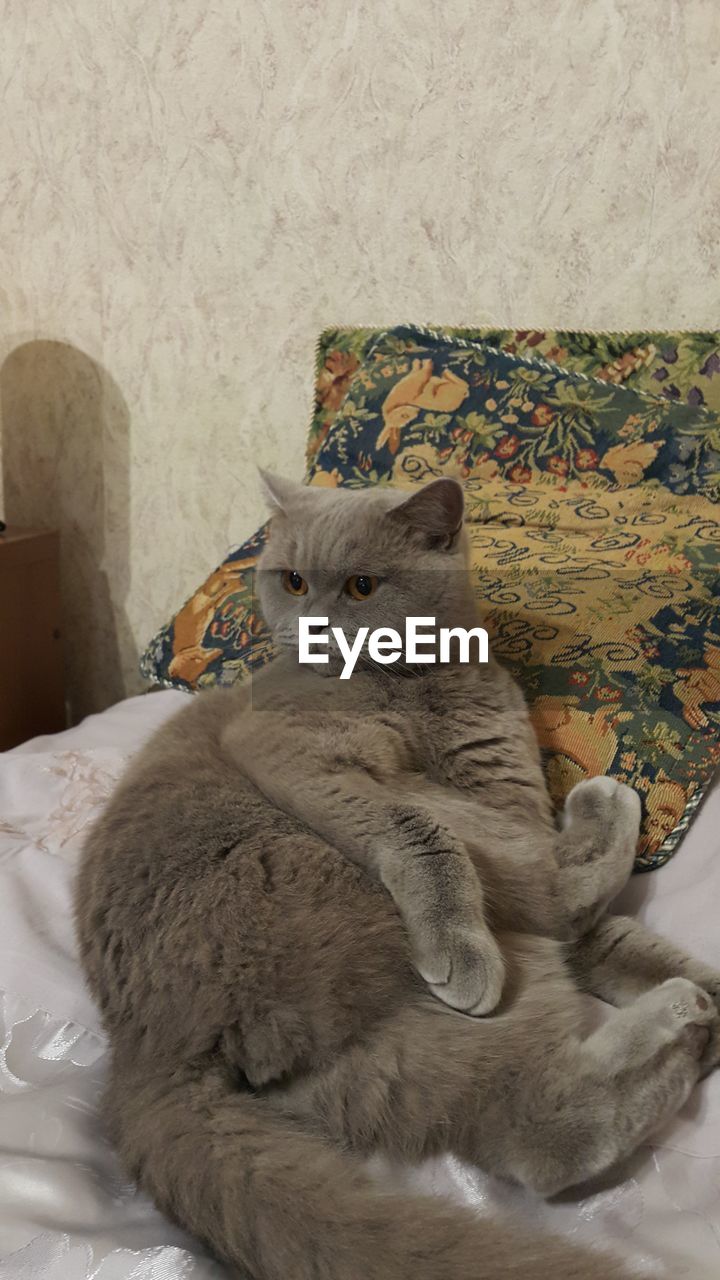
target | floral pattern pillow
[
  {"x": 675, "y": 366},
  {"x": 594, "y": 529}
]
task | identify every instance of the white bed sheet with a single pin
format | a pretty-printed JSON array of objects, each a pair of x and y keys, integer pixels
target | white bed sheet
[{"x": 65, "y": 1211}]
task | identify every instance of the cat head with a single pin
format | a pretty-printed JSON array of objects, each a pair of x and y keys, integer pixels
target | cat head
[{"x": 364, "y": 558}]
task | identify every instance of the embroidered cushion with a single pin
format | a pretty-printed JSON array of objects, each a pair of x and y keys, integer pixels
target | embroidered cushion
[{"x": 592, "y": 517}]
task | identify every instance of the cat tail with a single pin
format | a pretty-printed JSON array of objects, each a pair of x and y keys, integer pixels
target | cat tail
[{"x": 279, "y": 1203}]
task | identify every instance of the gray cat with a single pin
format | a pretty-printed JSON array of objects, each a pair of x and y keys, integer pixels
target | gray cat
[{"x": 301, "y": 890}]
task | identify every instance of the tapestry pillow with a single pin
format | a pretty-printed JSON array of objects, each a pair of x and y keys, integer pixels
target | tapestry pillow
[{"x": 594, "y": 534}]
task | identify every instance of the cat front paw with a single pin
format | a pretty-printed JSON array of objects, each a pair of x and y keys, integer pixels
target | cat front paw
[
  {"x": 464, "y": 968},
  {"x": 607, "y": 802}
]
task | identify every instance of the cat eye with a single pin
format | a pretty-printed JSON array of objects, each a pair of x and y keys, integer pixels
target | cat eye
[
  {"x": 361, "y": 585},
  {"x": 293, "y": 582}
]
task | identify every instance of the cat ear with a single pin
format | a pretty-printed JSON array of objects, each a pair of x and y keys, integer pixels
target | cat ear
[
  {"x": 436, "y": 511},
  {"x": 278, "y": 491}
]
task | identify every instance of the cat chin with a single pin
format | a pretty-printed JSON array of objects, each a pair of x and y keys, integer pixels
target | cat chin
[{"x": 332, "y": 666}]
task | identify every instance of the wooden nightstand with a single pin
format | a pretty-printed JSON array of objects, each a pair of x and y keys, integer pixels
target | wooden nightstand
[{"x": 32, "y": 694}]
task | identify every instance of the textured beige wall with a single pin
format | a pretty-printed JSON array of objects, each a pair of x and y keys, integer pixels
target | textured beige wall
[{"x": 191, "y": 191}]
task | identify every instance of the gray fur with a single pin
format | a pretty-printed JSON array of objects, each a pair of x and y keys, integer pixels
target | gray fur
[{"x": 282, "y": 872}]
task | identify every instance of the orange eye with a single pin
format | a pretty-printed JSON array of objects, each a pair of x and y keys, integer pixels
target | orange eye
[
  {"x": 293, "y": 583},
  {"x": 361, "y": 585}
]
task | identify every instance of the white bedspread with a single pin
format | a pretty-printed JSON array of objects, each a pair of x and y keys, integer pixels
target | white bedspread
[{"x": 65, "y": 1210}]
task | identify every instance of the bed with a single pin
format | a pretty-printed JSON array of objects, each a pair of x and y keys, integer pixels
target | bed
[{"x": 67, "y": 1213}]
